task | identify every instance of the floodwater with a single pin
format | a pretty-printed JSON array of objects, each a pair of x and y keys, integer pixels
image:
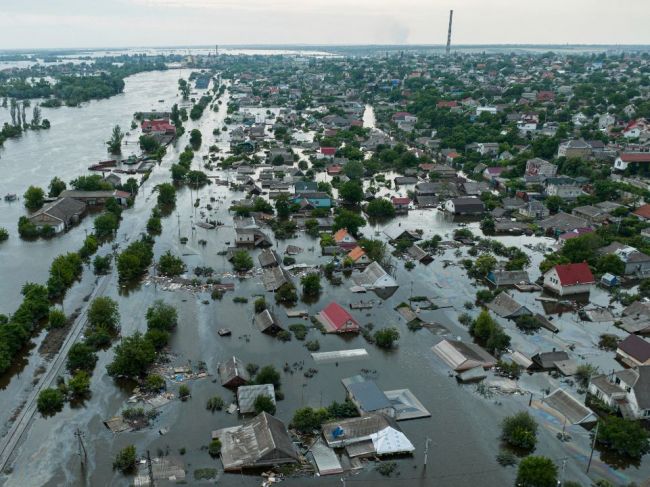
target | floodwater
[{"x": 463, "y": 428}]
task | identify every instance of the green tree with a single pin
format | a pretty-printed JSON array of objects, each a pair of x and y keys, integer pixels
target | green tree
[
  {"x": 34, "y": 198},
  {"x": 484, "y": 264},
  {"x": 214, "y": 448},
  {"x": 242, "y": 261},
  {"x": 283, "y": 206},
  {"x": 4, "y": 234},
  {"x": 170, "y": 265},
  {"x": 554, "y": 203},
  {"x": 268, "y": 375},
  {"x": 308, "y": 419},
  {"x": 610, "y": 263},
  {"x": 115, "y": 142},
  {"x": 149, "y": 144},
  {"x": 311, "y": 284},
  {"x": 351, "y": 192},
  {"x": 106, "y": 225},
  {"x": 537, "y": 472},
  {"x": 125, "y": 460},
  {"x": 624, "y": 437},
  {"x": 104, "y": 313},
  {"x": 161, "y": 316},
  {"x": 380, "y": 208},
  {"x": 166, "y": 195},
  {"x": 348, "y": 219},
  {"x": 81, "y": 356},
  {"x": 195, "y": 138},
  {"x": 354, "y": 169},
  {"x": 50, "y": 401},
  {"x": 56, "y": 187},
  {"x": 101, "y": 265},
  {"x": 386, "y": 337},
  {"x": 264, "y": 403},
  {"x": 133, "y": 356},
  {"x": 519, "y": 431}
]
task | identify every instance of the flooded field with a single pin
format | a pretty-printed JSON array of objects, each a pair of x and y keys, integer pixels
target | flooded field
[{"x": 464, "y": 426}]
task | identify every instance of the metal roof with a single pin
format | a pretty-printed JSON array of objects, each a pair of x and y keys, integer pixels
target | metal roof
[{"x": 246, "y": 396}]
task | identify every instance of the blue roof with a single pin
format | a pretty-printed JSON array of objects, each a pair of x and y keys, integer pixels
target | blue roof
[{"x": 368, "y": 395}]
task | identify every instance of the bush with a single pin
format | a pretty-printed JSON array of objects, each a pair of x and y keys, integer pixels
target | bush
[
  {"x": 56, "y": 319},
  {"x": 608, "y": 342},
  {"x": 166, "y": 195},
  {"x": 387, "y": 468},
  {"x": 386, "y": 337},
  {"x": 154, "y": 225},
  {"x": 624, "y": 437},
  {"x": 214, "y": 448},
  {"x": 299, "y": 331},
  {"x": 528, "y": 323},
  {"x": 307, "y": 419},
  {"x": 184, "y": 392},
  {"x": 584, "y": 373},
  {"x": 537, "y": 472},
  {"x": 313, "y": 345},
  {"x": 260, "y": 305},
  {"x": 125, "y": 460},
  {"x": 155, "y": 383},
  {"x": 286, "y": 294},
  {"x": 311, "y": 284},
  {"x": 215, "y": 403},
  {"x": 264, "y": 403},
  {"x": 519, "y": 431},
  {"x": 489, "y": 332},
  {"x": 283, "y": 336},
  {"x": 79, "y": 384},
  {"x": 50, "y": 401},
  {"x": 161, "y": 316}
]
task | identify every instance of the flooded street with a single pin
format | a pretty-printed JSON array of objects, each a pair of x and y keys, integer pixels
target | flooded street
[{"x": 464, "y": 426}]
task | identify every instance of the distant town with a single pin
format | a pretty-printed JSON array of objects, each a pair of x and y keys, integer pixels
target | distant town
[{"x": 404, "y": 266}]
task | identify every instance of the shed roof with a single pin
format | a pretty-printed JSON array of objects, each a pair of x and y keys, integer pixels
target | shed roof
[{"x": 246, "y": 396}]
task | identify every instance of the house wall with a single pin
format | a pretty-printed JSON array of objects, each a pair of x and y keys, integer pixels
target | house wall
[
  {"x": 552, "y": 282},
  {"x": 623, "y": 355}
]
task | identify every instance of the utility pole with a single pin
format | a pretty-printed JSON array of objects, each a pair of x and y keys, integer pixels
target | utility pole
[
  {"x": 451, "y": 17},
  {"x": 562, "y": 474},
  {"x": 152, "y": 482},
  {"x": 426, "y": 451},
  {"x": 593, "y": 445},
  {"x": 83, "y": 455}
]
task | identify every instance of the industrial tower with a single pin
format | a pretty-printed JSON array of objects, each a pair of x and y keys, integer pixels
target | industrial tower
[{"x": 451, "y": 16}]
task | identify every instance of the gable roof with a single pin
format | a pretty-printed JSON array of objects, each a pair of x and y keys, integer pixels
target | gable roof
[
  {"x": 636, "y": 347},
  {"x": 574, "y": 274},
  {"x": 635, "y": 156},
  {"x": 341, "y": 234},
  {"x": 336, "y": 316},
  {"x": 356, "y": 253}
]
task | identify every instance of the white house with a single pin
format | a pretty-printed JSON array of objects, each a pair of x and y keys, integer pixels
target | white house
[
  {"x": 626, "y": 158},
  {"x": 566, "y": 279},
  {"x": 626, "y": 390},
  {"x": 486, "y": 109}
]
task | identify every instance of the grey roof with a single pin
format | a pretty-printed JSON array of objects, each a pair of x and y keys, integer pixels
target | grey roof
[
  {"x": 76, "y": 193},
  {"x": 231, "y": 370},
  {"x": 265, "y": 321},
  {"x": 563, "y": 222},
  {"x": 603, "y": 383},
  {"x": 508, "y": 278},
  {"x": 366, "y": 393},
  {"x": 468, "y": 204},
  {"x": 505, "y": 306},
  {"x": 246, "y": 396},
  {"x": 356, "y": 429},
  {"x": 371, "y": 275},
  {"x": 268, "y": 258},
  {"x": 546, "y": 360},
  {"x": 62, "y": 209},
  {"x": 274, "y": 277},
  {"x": 263, "y": 441},
  {"x": 569, "y": 406},
  {"x": 636, "y": 347}
]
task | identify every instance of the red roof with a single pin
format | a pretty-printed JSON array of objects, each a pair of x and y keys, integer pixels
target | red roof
[
  {"x": 328, "y": 151},
  {"x": 636, "y": 347},
  {"x": 577, "y": 232},
  {"x": 157, "y": 125},
  {"x": 337, "y": 316},
  {"x": 574, "y": 274},
  {"x": 397, "y": 200},
  {"x": 401, "y": 115},
  {"x": 447, "y": 104},
  {"x": 635, "y": 157},
  {"x": 643, "y": 211}
]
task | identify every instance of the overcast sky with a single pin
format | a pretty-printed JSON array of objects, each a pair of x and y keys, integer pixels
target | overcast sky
[{"x": 117, "y": 23}]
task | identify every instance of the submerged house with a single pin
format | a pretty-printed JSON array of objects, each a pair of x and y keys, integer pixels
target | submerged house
[
  {"x": 462, "y": 356},
  {"x": 627, "y": 391},
  {"x": 344, "y": 240},
  {"x": 262, "y": 442},
  {"x": 246, "y": 396},
  {"x": 367, "y": 396},
  {"x": 60, "y": 214},
  {"x": 567, "y": 279},
  {"x": 505, "y": 306},
  {"x": 634, "y": 351},
  {"x": 375, "y": 278},
  {"x": 335, "y": 319},
  {"x": 267, "y": 323},
  {"x": 501, "y": 278},
  {"x": 232, "y": 373},
  {"x": 358, "y": 256}
]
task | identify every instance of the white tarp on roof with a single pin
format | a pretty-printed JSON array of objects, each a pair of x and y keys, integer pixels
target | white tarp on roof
[
  {"x": 339, "y": 355},
  {"x": 390, "y": 441}
]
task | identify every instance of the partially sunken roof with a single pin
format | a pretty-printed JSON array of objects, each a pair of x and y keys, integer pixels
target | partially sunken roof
[
  {"x": 263, "y": 441},
  {"x": 231, "y": 370},
  {"x": 246, "y": 396}
]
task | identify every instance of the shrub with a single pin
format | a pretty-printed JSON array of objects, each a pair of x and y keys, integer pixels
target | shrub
[
  {"x": 268, "y": 375},
  {"x": 155, "y": 382},
  {"x": 56, "y": 319},
  {"x": 283, "y": 336},
  {"x": 299, "y": 330},
  {"x": 584, "y": 373},
  {"x": 214, "y": 448},
  {"x": 242, "y": 261},
  {"x": 260, "y": 305},
  {"x": 125, "y": 460},
  {"x": 170, "y": 265},
  {"x": 313, "y": 345},
  {"x": 101, "y": 265},
  {"x": 215, "y": 403},
  {"x": 519, "y": 431},
  {"x": 184, "y": 392},
  {"x": 528, "y": 323},
  {"x": 308, "y": 419},
  {"x": 161, "y": 316},
  {"x": 79, "y": 384}
]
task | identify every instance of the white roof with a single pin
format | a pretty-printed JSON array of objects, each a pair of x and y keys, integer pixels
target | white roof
[{"x": 389, "y": 441}]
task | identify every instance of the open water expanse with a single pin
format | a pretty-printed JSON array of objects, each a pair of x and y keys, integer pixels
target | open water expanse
[{"x": 464, "y": 426}]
